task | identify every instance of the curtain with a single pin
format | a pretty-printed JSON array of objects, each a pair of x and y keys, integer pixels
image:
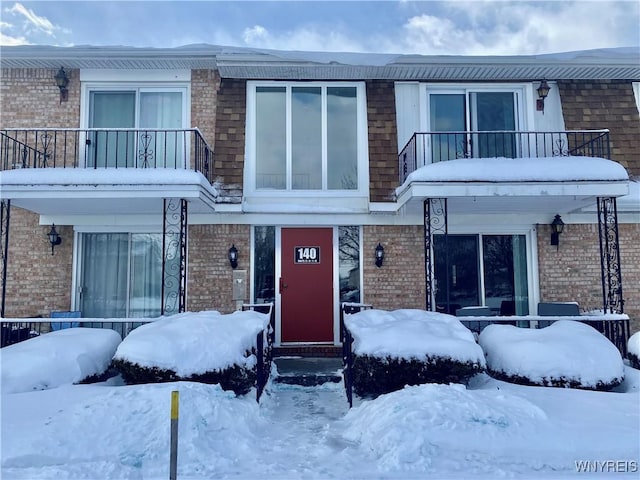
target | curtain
[
  {"x": 146, "y": 275},
  {"x": 161, "y": 110},
  {"x": 112, "y": 110},
  {"x": 104, "y": 275}
]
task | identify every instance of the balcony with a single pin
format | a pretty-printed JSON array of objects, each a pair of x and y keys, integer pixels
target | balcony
[
  {"x": 105, "y": 148},
  {"x": 433, "y": 147},
  {"x": 105, "y": 171}
]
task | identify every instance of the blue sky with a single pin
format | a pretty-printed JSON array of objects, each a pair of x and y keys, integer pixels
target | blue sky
[{"x": 426, "y": 27}]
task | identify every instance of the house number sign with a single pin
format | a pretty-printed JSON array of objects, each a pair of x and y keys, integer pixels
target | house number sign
[{"x": 306, "y": 255}]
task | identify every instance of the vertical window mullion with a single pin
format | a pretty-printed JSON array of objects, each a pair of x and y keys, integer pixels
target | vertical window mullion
[
  {"x": 289, "y": 140},
  {"x": 481, "y": 269},
  {"x": 325, "y": 172},
  {"x": 129, "y": 255}
]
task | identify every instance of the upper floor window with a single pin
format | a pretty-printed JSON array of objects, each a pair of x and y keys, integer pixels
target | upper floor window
[{"x": 306, "y": 136}]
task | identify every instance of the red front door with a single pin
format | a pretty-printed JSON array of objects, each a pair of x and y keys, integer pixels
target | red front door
[{"x": 306, "y": 285}]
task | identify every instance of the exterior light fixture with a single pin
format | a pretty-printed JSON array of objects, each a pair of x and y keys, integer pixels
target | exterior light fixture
[
  {"x": 557, "y": 226},
  {"x": 543, "y": 91},
  {"x": 54, "y": 237},
  {"x": 233, "y": 256},
  {"x": 62, "y": 81},
  {"x": 379, "y": 255}
]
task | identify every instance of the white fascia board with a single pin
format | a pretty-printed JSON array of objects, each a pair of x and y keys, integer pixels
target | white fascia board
[
  {"x": 521, "y": 189},
  {"x": 134, "y": 76}
]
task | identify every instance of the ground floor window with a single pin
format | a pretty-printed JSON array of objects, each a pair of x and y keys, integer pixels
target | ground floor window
[
  {"x": 486, "y": 270},
  {"x": 264, "y": 247},
  {"x": 349, "y": 263},
  {"x": 120, "y": 275}
]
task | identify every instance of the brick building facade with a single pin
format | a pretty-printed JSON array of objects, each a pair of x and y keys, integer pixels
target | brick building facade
[{"x": 224, "y": 108}]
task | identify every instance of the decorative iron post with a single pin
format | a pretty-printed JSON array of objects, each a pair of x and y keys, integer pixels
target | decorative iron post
[
  {"x": 174, "y": 251},
  {"x": 5, "y": 209},
  {"x": 435, "y": 220},
  {"x": 612, "y": 300}
]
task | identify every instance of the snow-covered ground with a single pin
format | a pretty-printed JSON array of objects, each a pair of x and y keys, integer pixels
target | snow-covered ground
[{"x": 488, "y": 429}]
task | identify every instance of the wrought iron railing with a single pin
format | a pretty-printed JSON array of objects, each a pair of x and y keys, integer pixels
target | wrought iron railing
[
  {"x": 432, "y": 147},
  {"x": 348, "y": 308},
  {"x": 105, "y": 148},
  {"x": 264, "y": 345}
]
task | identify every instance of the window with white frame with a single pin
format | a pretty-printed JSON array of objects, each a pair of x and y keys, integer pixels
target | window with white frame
[
  {"x": 307, "y": 136},
  {"x": 136, "y": 125},
  {"x": 454, "y": 113}
]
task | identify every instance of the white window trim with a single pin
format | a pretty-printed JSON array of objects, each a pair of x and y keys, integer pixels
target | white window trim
[
  {"x": 250, "y": 139},
  {"x": 636, "y": 93},
  {"x": 523, "y": 91}
]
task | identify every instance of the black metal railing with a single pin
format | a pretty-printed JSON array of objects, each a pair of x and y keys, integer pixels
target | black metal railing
[
  {"x": 16, "y": 330},
  {"x": 432, "y": 147},
  {"x": 105, "y": 148},
  {"x": 348, "y": 308},
  {"x": 264, "y": 345},
  {"x": 616, "y": 330}
]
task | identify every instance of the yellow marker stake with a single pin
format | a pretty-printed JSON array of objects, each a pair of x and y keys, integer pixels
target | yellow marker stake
[{"x": 173, "y": 463}]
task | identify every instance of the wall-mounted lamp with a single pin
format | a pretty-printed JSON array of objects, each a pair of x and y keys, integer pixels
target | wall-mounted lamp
[
  {"x": 379, "y": 255},
  {"x": 54, "y": 237},
  {"x": 233, "y": 256},
  {"x": 62, "y": 81},
  {"x": 543, "y": 91},
  {"x": 557, "y": 226}
]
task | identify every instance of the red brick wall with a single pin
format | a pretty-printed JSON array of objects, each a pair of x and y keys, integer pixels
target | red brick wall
[
  {"x": 209, "y": 272},
  {"x": 399, "y": 283},
  {"x": 37, "y": 282},
  {"x": 572, "y": 273}
]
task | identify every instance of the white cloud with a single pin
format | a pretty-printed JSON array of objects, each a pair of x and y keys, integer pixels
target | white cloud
[
  {"x": 27, "y": 27},
  {"x": 40, "y": 23}
]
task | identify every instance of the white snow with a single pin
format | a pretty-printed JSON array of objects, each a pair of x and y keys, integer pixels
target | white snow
[
  {"x": 194, "y": 343},
  {"x": 57, "y": 358},
  {"x": 633, "y": 345},
  {"x": 542, "y": 169},
  {"x": 103, "y": 176},
  {"x": 490, "y": 429},
  {"x": 565, "y": 349},
  {"x": 412, "y": 334}
]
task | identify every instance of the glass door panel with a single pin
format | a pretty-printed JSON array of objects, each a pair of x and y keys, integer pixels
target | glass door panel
[
  {"x": 146, "y": 275},
  {"x": 264, "y": 248},
  {"x": 160, "y": 110},
  {"x": 456, "y": 270},
  {"x": 349, "y": 263},
  {"x": 112, "y": 110},
  {"x": 493, "y": 111},
  {"x": 447, "y": 114},
  {"x": 104, "y": 275}
]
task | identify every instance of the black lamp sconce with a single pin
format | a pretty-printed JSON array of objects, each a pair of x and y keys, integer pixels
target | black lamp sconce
[
  {"x": 54, "y": 237},
  {"x": 379, "y": 255},
  {"x": 543, "y": 92},
  {"x": 557, "y": 226},
  {"x": 62, "y": 81},
  {"x": 233, "y": 256}
]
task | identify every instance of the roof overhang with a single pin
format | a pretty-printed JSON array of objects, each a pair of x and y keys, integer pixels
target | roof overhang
[
  {"x": 251, "y": 63},
  {"x": 104, "y": 192}
]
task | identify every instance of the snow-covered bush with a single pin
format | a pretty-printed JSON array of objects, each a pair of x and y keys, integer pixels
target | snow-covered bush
[
  {"x": 633, "y": 350},
  {"x": 410, "y": 347},
  {"x": 565, "y": 354},
  {"x": 63, "y": 357},
  {"x": 204, "y": 347}
]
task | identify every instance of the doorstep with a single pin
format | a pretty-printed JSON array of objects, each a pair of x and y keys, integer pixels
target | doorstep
[
  {"x": 331, "y": 351},
  {"x": 308, "y": 371}
]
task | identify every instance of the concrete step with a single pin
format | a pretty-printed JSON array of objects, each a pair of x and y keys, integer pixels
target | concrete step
[{"x": 308, "y": 371}]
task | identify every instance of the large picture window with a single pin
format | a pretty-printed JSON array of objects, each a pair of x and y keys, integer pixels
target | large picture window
[{"x": 306, "y": 136}]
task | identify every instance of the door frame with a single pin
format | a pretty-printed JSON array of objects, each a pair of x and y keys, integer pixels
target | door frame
[{"x": 336, "y": 283}]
